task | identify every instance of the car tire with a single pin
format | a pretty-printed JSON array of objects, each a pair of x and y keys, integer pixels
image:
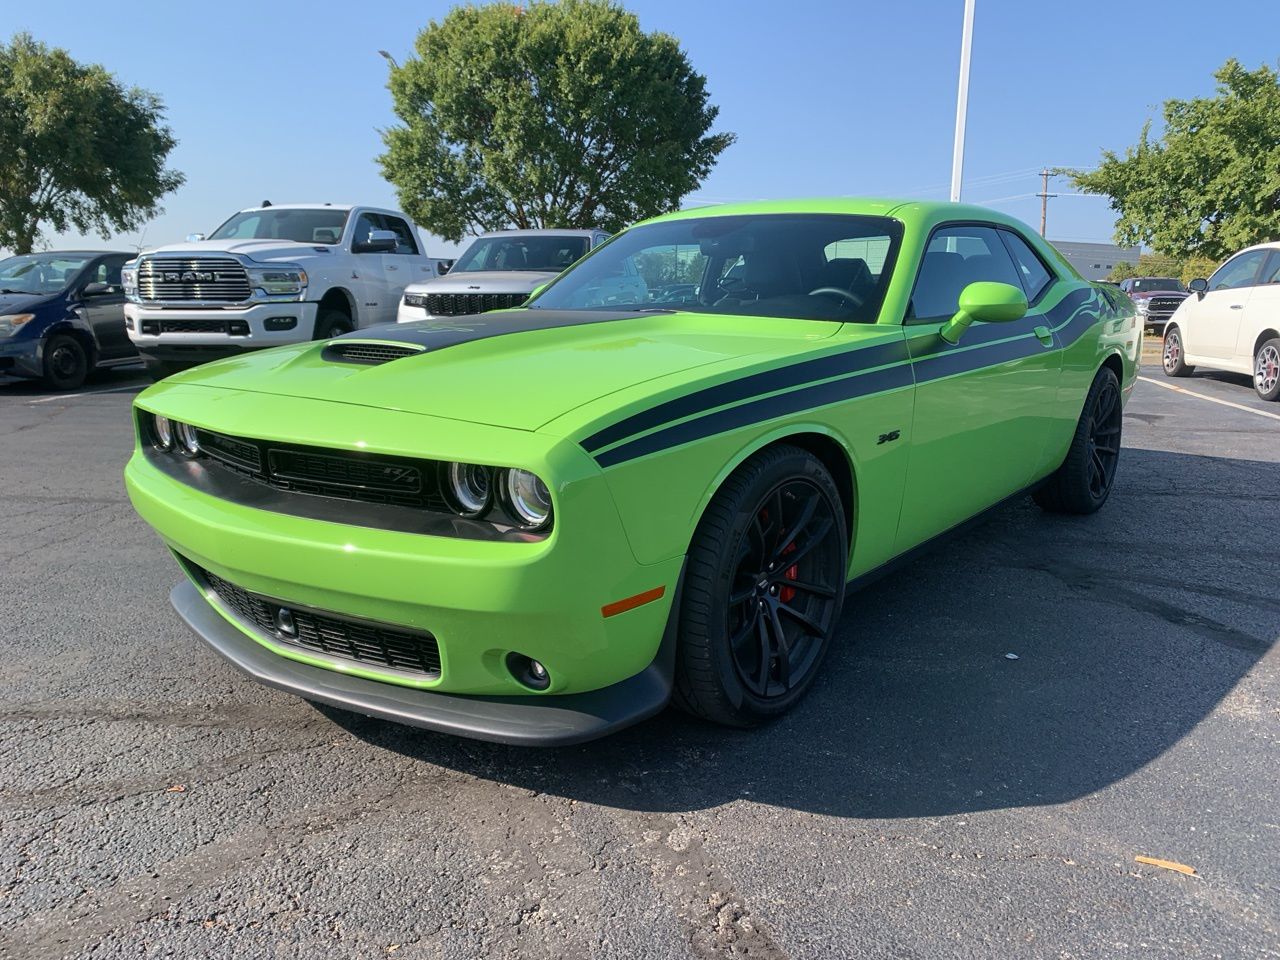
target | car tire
[
  {"x": 1174, "y": 357},
  {"x": 1084, "y": 481},
  {"x": 779, "y": 503},
  {"x": 66, "y": 364},
  {"x": 332, "y": 323},
  {"x": 1266, "y": 370}
]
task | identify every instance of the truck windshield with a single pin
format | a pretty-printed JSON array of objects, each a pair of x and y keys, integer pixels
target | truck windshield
[
  {"x": 802, "y": 266},
  {"x": 281, "y": 223},
  {"x": 40, "y": 272},
  {"x": 547, "y": 254},
  {"x": 1148, "y": 284}
]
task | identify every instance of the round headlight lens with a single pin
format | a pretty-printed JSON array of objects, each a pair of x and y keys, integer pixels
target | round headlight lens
[
  {"x": 188, "y": 443},
  {"x": 470, "y": 488},
  {"x": 162, "y": 433},
  {"x": 528, "y": 498}
]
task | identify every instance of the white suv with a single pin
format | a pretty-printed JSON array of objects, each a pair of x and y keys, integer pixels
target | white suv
[
  {"x": 271, "y": 275},
  {"x": 1231, "y": 321}
]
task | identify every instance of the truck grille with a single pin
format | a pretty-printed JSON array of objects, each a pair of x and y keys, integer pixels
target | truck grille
[
  {"x": 1164, "y": 305},
  {"x": 366, "y": 477},
  {"x": 193, "y": 279},
  {"x": 461, "y": 304},
  {"x": 331, "y": 635}
]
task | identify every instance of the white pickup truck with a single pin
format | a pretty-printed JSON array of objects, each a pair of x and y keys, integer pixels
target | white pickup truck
[{"x": 271, "y": 275}]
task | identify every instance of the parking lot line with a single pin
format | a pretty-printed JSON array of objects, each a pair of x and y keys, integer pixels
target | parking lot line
[
  {"x": 87, "y": 393},
  {"x": 1205, "y": 396}
]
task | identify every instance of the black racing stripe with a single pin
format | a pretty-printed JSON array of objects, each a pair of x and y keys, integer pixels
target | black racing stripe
[
  {"x": 782, "y": 378},
  {"x": 441, "y": 332},
  {"x": 758, "y": 411}
]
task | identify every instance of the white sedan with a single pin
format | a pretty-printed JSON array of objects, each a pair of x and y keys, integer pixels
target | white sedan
[{"x": 1232, "y": 321}]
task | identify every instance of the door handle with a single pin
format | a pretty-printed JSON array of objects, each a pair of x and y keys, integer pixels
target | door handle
[
  {"x": 1237, "y": 306},
  {"x": 392, "y": 266},
  {"x": 1045, "y": 335}
]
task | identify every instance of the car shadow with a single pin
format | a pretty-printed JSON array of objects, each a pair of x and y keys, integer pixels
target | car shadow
[
  {"x": 107, "y": 378},
  {"x": 920, "y": 710}
]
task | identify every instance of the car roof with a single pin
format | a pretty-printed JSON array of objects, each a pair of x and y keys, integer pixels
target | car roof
[
  {"x": 919, "y": 212},
  {"x": 567, "y": 232},
  {"x": 80, "y": 253}
]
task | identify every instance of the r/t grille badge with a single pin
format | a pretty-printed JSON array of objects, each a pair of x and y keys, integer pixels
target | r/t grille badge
[{"x": 284, "y": 623}]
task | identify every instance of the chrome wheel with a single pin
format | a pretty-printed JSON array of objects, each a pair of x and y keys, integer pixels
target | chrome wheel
[
  {"x": 1172, "y": 351},
  {"x": 1266, "y": 372},
  {"x": 784, "y": 595}
]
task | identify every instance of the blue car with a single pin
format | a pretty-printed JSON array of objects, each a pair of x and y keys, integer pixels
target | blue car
[{"x": 62, "y": 315}]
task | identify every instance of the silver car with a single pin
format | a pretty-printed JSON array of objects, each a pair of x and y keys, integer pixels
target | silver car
[{"x": 498, "y": 271}]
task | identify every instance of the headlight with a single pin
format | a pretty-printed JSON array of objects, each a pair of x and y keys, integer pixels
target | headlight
[
  {"x": 528, "y": 498},
  {"x": 469, "y": 488},
  {"x": 1142, "y": 306},
  {"x": 162, "y": 433},
  {"x": 415, "y": 299},
  {"x": 279, "y": 280},
  {"x": 129, "y": 281},
  {"x": 187, "y": 440},
  {"x": 10, "y": 322}
]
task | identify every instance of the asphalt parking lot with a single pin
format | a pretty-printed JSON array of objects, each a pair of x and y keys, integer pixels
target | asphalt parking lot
[{"x": 931, "y": 798}]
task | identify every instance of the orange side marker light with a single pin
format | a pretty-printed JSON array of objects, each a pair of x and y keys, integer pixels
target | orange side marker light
[{"x": 630, "y": 603}]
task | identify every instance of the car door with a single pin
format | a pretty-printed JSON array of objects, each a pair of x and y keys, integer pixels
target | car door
[
  {"x": 1262, "y": 312},
  {"x": 1214, "y": 321},
  {"x": 104, "y": 312},
  {"x": 983, "y": 406},
  {"x": 369, "y": 276},
  {"x": 406, "y": 264}
]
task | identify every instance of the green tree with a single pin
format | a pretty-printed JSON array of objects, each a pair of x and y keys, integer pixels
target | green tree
[
  {"x": 76, "y": 147},
  {"x": 551, "y": 115},
  {"x": 1211, "y": 184}
]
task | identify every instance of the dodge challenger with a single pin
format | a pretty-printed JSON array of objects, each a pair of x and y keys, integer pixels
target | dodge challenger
[{"x": 540, "y": 525}]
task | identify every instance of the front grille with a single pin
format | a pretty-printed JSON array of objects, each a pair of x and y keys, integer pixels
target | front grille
[
  {"x": 359, "y": 641},
  {"x": 368, "y": 353},
  {"x": 193, "y": 326},
  {"x": 1164, "y": 304},
  {"x": 462, "y": 304},
  {"x": 193, "y": 279},
  {"x": 366, "y": 477}
]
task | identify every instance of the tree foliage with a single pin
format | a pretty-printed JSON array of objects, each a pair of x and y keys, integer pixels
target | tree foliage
[
  {"x": 1211, "y": 184},
  {"x": 551, "y": 115},
  {"x": 76, "y": 147},
  {"x": 1155, "y": 265}
]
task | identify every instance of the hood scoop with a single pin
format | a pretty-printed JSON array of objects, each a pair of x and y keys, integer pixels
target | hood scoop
[{"x": 369, "y": 352}]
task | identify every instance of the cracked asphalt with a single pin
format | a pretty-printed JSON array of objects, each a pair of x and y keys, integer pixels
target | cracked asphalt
[{"x": 930, "y": 799}]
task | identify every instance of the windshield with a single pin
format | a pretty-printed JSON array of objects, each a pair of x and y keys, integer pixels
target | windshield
[
  {"x": 1147, "y": 284},
  {"x": 281, "y": 223},
  {"x": 805, "y": 266},
  {"x": 547, "y": 254},
  {"x": 40, "y": 272}
]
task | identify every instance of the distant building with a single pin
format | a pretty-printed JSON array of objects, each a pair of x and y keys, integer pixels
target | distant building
[{"x": 1095, "y": 260}]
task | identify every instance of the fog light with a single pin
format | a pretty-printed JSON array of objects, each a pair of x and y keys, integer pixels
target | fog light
[
  {"x": 188, "y": 443},
  {"x": 151, "y": 327},
  {"x": 528, "y": 671},
  {"x": 280, "y": 323},
  {"x": 238, "y": 328}
]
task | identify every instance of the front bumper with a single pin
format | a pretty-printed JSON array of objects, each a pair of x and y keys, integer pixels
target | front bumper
[
  {"x": 525, "y": 721},
  {"x": 173, "y": 345},
  {"x": 22, "y": 358}
]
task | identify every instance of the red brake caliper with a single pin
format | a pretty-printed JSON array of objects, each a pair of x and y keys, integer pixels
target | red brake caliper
[{"x": 785, "y": 594}]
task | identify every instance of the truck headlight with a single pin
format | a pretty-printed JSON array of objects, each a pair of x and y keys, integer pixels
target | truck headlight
[
  {"x": 10, "y": 322},
  {"x": 279, "y": 280},
  {"x": 129, "y": 281},
  {"x": 1142, "y": 306}
]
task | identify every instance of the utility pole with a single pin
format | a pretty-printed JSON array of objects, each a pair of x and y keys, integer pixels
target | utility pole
[
  {"x": 962, "y": 102},
  {"x": 1044, "y": 196}
]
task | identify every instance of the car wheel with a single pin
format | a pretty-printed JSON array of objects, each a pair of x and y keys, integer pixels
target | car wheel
[
  {"x": 65, "y": 362},
  {"x": 1175, "y": 364},
  {"x": 1266, "y": 370},
  {"x": 332, "y": 323},
  {"x": 763, "y": 589},
  {"x": 1083, "y": 482}
]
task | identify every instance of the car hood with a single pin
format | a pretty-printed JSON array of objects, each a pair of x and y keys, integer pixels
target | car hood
[
  {"x": 485, "y": 281},
  {"x": 23, "y": 302},
  {"x": 264, "y": 251},
  {"x": 1148, "y": 294},
  {"x": 514, "y": 368}
]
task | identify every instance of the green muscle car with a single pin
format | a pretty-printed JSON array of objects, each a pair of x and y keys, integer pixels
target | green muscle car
[{"x": 656, "y": 481}]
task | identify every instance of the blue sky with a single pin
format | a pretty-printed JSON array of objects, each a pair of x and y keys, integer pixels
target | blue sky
[{"x": 284, "y": 101}]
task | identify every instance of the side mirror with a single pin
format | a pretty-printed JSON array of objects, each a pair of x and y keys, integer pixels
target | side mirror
[
  {"x": 97, "y": 289},
  {"x": 445, "y": 266},
  {"x": 379, "y": 241},
  {"x": 1198, "y": 286},
  {"x": 987, "y": 302},
  {"x": 194, "y": 237}
]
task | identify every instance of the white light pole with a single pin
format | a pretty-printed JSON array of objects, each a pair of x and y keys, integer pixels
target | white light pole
[{"x": 962, "y": 102}]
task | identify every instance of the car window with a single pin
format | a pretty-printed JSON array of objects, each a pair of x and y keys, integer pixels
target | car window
[
  {"x": 1034, "y": 274},
  {"x": 1239, "y": 271},
  {"x": 284, "y": 223},
  {"x": 40, "y": 272},
  {"x": 364, "y": 226},
  {"x": 800, "y": 266},
  {"x": 1151, "y": 284},
  {"x": 108, "y": 271},
  {"x": 1271, "y": 272},
  {"x": 406, "y": 244},
  {"x": 956, "y": 257},
  {"x": 545, "y": 253}
]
